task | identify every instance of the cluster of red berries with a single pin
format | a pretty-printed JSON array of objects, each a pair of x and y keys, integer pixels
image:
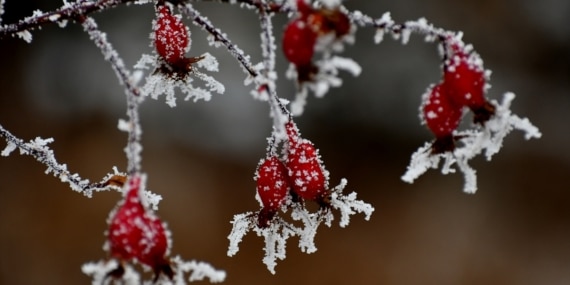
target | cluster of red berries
[
  {"x": 301, "y": 34},
  {"x": 300, "y": 175},
  {"x": 463, "y": 86},
  {"x": 172, "y": 41},
  {"x": 136, "y": 234}
]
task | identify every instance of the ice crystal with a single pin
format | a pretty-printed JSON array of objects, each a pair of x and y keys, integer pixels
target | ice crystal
[
  {"x": 99, "y": 271},
  {"x": 347, "y": 205},
  {"x": 331, "y": 3},
  {"x": 242, "y": 223},
  {"x": 10, "y": 147},
  {"x": 25, "y": 35},
  {"x": 1, "y": 10},
  {"x": 198, "y": 271},
  {"x": 275, "y": 236}
]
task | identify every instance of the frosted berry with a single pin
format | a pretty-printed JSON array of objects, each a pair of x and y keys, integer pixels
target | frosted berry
[
  {"x": 304, "y": 8},
  {"x": 466, "y": 86},
  {"x": 306, "y": 174},
  {"x": 441, "y": 116},
  {"x": 272, "y": 186},
  {"x": 135, "y": 233},
  {"x": 465, "y": 81},
  {"x": 299, "y": 43},
  {"x": 171, "y": 36}
]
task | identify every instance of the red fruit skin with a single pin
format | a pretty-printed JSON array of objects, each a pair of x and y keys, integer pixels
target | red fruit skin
[
  {"x": 441, "y": 116},
  {"x": 465, "y": 82},
  {"x": 306, "y": 174},
  {"x": 171, "y": 36},
  {"x": 272, "y": 183},
  {"x": 272, "y": 186},
  {"x": 136, "y": 233},
  {"x": 299, "y": 43}
]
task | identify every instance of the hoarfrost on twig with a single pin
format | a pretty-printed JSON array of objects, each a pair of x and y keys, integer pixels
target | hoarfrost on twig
[{"x": 38, "y": 148}]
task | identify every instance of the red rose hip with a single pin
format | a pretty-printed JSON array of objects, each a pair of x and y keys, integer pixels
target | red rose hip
[
  {"x": 135, "y": 233},
  {"x": 299, "y": 43},
  {"x": 272, "y": 186},
  {"x": 171, "y": 36}
]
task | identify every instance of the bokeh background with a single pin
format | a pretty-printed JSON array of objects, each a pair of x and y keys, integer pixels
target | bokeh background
[{"x": 201, "y": 156}]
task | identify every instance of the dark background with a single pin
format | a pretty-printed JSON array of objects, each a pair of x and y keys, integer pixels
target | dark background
[{"x": 201, "y": 156}]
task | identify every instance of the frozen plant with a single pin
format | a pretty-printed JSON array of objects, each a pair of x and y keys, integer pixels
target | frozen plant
[
  {"x": 286, "y": 183},
  {"x": 292, "y": 175}
]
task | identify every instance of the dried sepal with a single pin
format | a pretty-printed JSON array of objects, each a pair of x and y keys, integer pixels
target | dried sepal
[{"x": 484, "y": 139}]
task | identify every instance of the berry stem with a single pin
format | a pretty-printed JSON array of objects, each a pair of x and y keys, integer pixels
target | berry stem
[
  {"x": 69, "y": 11},
  {"x": 268, "y": 54},
  {"x": 205, "y": 24},
  {"x": 133, "y": 149},
  {"x": 38, "y": 150}
]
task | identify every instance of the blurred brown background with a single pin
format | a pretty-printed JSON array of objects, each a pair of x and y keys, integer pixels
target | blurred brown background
[{"x": 201, "y": 156}]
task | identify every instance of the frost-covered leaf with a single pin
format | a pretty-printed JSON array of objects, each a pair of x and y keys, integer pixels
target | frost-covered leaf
[
  {"x": 275, "y": 237},
  {"x": 348, "y": 205},
  {"x": 242, "y": 223}
]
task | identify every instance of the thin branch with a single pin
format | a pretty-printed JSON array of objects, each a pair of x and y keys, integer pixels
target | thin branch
[
  {"x": 69, "y": 11},
  {"x": 268, "y": 53},
  {"x": 255, "y": 4},
  {"x": 39, "y": 150},
  {"x": 220, "y": 37},
  {"x": 133, "y": 127}
]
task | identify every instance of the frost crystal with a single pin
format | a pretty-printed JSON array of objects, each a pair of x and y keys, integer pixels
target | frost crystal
[
  {"x": 1, "y": 10},
  {"x": 10, "y": 147},
  {"x": 164, "y": 82},
  {"x": 348, "y": 205},
  {"x": 487, "y": 139},
  {"x": 241, "y": 225},
  {"x": 25, "y": 35},
  {"x": 99, "y": 272},
  {"x": 199, "y": 271}
]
